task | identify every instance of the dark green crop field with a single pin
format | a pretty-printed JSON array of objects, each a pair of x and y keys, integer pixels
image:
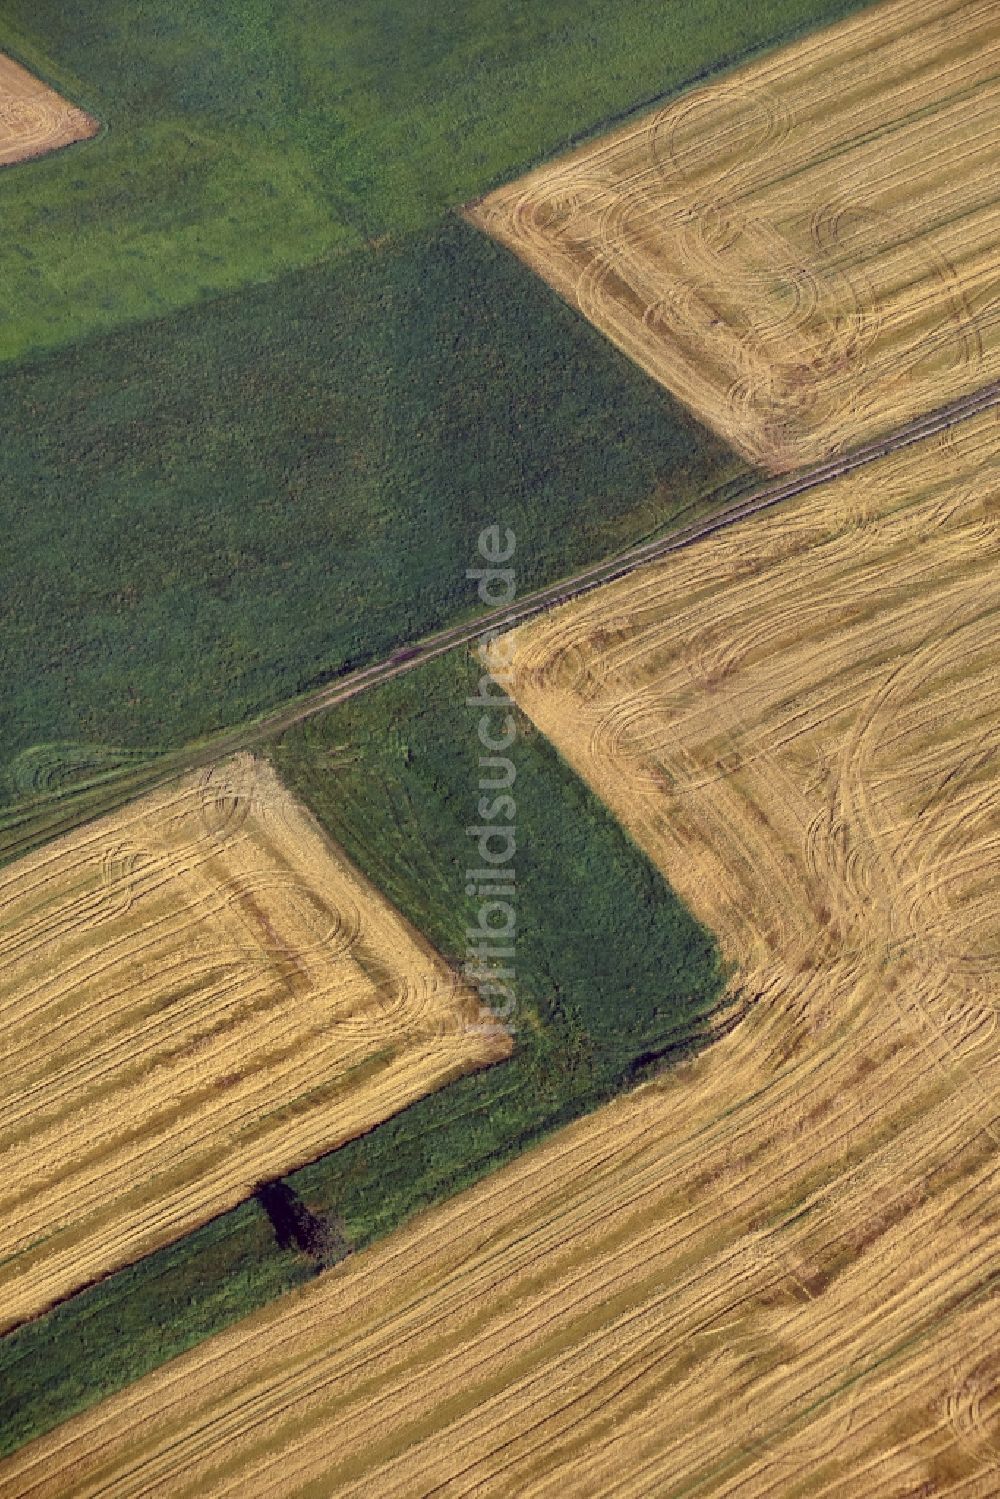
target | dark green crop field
[
  {"x": 245, "y": 138},
  {"x": 613, "y": 977},
  {"x": 209, "y": 514}
]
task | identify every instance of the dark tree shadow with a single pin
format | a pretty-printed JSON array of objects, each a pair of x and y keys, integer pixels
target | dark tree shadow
[{"x": 295, "y": 1227}]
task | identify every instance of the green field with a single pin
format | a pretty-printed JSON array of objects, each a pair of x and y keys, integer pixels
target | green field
[
  {"x": 209, "y": 514},
  {"x": 246, "y": 139},
  {"x": 613, "y": 979}
]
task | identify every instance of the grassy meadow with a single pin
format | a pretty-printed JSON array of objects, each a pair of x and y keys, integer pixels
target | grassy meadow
[{"x": 212, "y": 513}]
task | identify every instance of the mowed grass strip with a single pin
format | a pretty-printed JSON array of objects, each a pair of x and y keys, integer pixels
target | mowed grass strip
[
  {"x": 193, "y": 994},
  {"x": 33, "y": 118},
  {"x": 774, "y": 1269},
  {"x": 805, "y": 251}
]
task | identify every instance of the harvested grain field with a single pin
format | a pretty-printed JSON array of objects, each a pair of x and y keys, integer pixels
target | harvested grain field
[
  {"x": 196, "y": 994},
  {"x": 774, "y": 1271},
  {"x": 804, "y": 252},
  {"x": 34, "y": 119}
]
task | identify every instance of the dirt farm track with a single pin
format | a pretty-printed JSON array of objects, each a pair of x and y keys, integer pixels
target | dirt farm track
[
  {"x": 196, "y": 994},
  {"x": 34, "y": 119},
  {"x": 775, "y": 1270}
]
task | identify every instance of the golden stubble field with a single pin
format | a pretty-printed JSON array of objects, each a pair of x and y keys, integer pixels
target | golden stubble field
[
  {"x": 196, "y": 993},
  {"x": 773, "y": 1272},
  {"x": 805, "y": 251},
  {"x": 34, "y": 119}
]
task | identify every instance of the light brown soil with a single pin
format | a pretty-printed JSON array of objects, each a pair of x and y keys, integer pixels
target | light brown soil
[
  {"x": 196, "y": 994},
  {"x": 34, "y": 119},
  {"x": 804, "y": 252}
]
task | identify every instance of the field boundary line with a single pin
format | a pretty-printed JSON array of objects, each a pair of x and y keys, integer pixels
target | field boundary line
[
  {"x": 410, "y": 655},
  {"x": 406, "y": 658}
]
